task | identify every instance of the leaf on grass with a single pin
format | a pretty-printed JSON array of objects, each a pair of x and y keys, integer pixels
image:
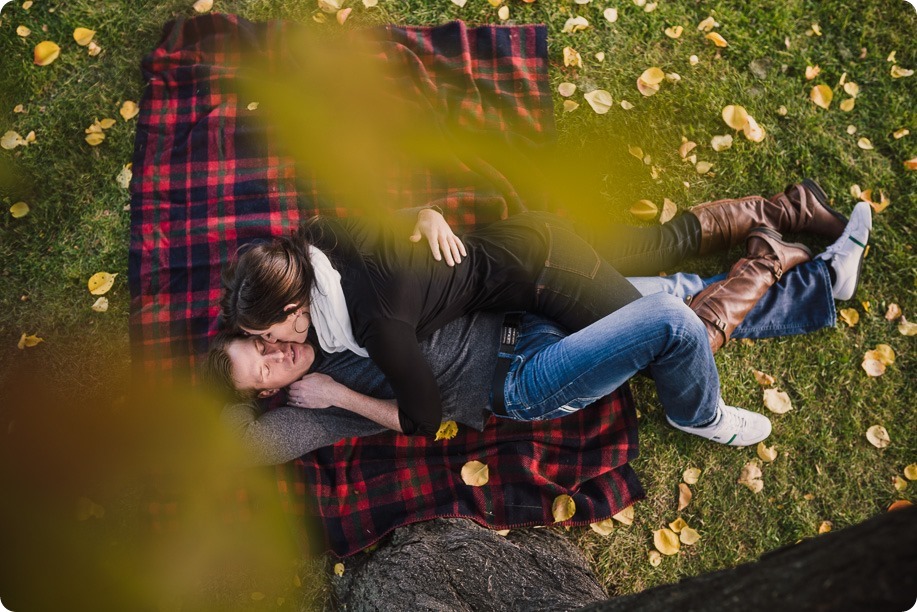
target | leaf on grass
[
  {"x": 611, "y": 14},
  {"x": 652, "y": 75},
  {"x": 93, "y": 49},
  {"x": 666, "y": 541},
  {"x": 370, "y": 3},
  {"x": 721, "y": 143},
  {"x": 28, "y": 341},
  {"x": 703, "y": 167},
  {"x": 691, "y": 475},
  {"x": 668, "y": 210},
  {"x": 19, "y": 210},
  {"x": 101, "y": 304},
  {"x": 626, "y": 105},
  {"x": 735, "y": 116},
  {"x": 777, "y": 401},
  {"x": 883, "y": 353},
  {"x": 674, "y": 31},
  {"x": 566, "y": 89},
  {"x": 575, "y": 24},
  {"x": 753, "y": 131},
  {"x": 906, "y": 328},
  {"x": 897, "y": 72},
  {"x": 765, "y": 380},
  {"x": 815, "y": 30},
  {"x": 202, "y": 6},
  {"x": 852, "y": 89},
  {"x": 824, "y": 527},
  {"x": 83, "y": 36},
  {"x": 106, "y": 123},
  {"x": 782, "y": 111},
  {"x": 124, "y": 177},
  {"x": 812, "y": 72},
  {"x": 646, "y": 90},
  {"x": 893, "y": 312},
  {"x": 475, "y": 474},
  {"x": 95, "y": 139},
  {"x": 342, "y": 15},
  {"x": 447, "y": 430},
  {"x": 751, "y": 477},
  {"x": 865, "y": 144},
  {"x": 672, "y": 77},
  {"x": 600, "y": 56},
  {"x": 338, "y": 569},
  {"x": 878, "y": 436},
  {"x": 130, "y": 109},
  {"x": 635, "y": 152},
  {"x": 677, "y": 525},
  {"x": 503, "y": 13},
  {"x": 873, "y": 367},
  {"x": 563, "y": 508},
  {"x": 23, "y": 31},
  {"x": 570, "y": 105},
  {"x": 717, "y": 39},
  {"x": 688, "y": 536},
  {"x": 603, "y": 527},
  {"x": 850, "y": 316},
  {"x": 684, "y": 496},
  {"x": 821, "y": 95},
  {"x": 911, "y": 164},
  {"x": 686, "y": 147},
  {"x": 899, "y": 483},
  {"x": 654, "y": 558},
  {"x": 644, "y": 210},
  {"x": 45, "y": 53},
  {"x": 26, "y": 5},
  {"x": 100, "y": 282},
  {"x": 897, "y": 134},
  {"x": 707, "y": 24},
  {"x": 693, "y": 60},
  {"x": 910, "y": 472},
  {"x": 625, "y": 516},
  {"x": 766, "y": 453},
  {"x": 848, "y": 104},
  {"x": 572, "y": 57},
  {"x": 599, "y": 100}
]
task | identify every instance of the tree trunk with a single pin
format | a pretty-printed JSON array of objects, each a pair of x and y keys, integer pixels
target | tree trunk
[
  {"x": 871, "y": 566},
  {"x": 455, "y": 564}
]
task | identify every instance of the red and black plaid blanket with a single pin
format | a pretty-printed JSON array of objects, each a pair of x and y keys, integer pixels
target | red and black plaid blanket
[{"x": 209, "y": 176}]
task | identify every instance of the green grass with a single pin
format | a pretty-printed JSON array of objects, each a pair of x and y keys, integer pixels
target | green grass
[{"x": 78, "y": 225}]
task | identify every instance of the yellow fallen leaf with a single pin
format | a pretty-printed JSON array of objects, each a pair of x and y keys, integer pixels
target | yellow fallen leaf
[
  {"x": 93, "y": 49},
  {"x": 124, "y": 177},
  {"x": 852, "y": 89},
  {"x": 824, "y": 527},
  {"x": 503, "y": 532},
  {"x": 566, "y": 89},
  {"x": 447, "y": 430},
  {"x": 899, "y": 483},
  {"x": 685, "y": 148},
  {"x": 668, "y": 210},
  {"x": 707, "y": 24},
  {"x": 691, "y": 475},
  {"x": 893, "y": 312},
  {"x": 19, "y": 108},
  {"x": 572, "y": 57},
  {"x": 906, "y": 328},
  {"x": 28, "y": 341},
  {"x": 130, "y": 109},
  {"x": 495, "y": 3},
  {"x": 782, "y": 111},
  {"x": 626, "y": 105},
  {"x": 342, "y": 15},
  {"x": 693, "y": 60},
  {"x": 821, "y": 95},
  {"x": 650, "y": 7},
  {"x": 106, "y": 123},
  {"x": 338, "y": 569},
  {"x": 677, "y": 525},
  {"x": 766, "y": 453},
  {"x": 898, "y": 72},
  {"x": 910, "y": 472},
  {"x": 83, "y": 36},
  {"x": 654, "y": 558},
  {"x": 600, "y": 56},
  {"x": 101, "y": 304},
  {"x": 202, "y": 6},
  {"x": 688, "y": 536},
  {"x": 812, "y": 72},
  {"x": 735, "y": 116},
  {"x": 570, "y": 106},
  {"x": 897, "y": 134},
  {"x": 721, "y": 143},
  {"x": 625, "y": 516},
  {"x": 19, "y": 210},
  {"x": 603, "y": 527},
  {"x": 777, "y": 401},
  {"x": 848, "y": 104},
  {"x": 717, "y": 39},
  {"x": 46, "y": 52},
  {"x": 370, "y": 3},
  {"x": 864, "y": 143},
  {"x": 850, "y": 316},
  {"x": 647, "y": 89},
  {"x": 882, "y": 353},
  {"x": 599, "y": 100},
  {"x": 100, "y": 282},
  {"x": 751, "y": 477},
  {"x": 635, "y": 152},
  {"x": 611, "y": 14},
  {"x": 503, "y": 13},
  {"x": 878, "y": 436},
  {"x": 575, "y": 24},
  {"x": 765, "y": 380},
  {"x": 911, "y": 164},
  {"x": 644, "y": 210},
  {"x": 684, "y": 496},
  {"x": 666, "y": 541},
  {"x": 674, "y": 31},
  {"x": 815, "y": 30},
  {"x": 652, "y": 75},
  {"x": 23, "y": 31},
  {"x": 95, "y": 139},
  {"x": 563, "y": 508},
  {"x": 475, "y": 474},
  {"x": 891, "y": 56},
  {"x": 27, "y": 5},
  {"x": 703, "y": 167},
  {"x": 333, "y": 6},
  {"x": 873, "y": 367}
]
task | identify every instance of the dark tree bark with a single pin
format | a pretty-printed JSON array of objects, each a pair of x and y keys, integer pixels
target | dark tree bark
[
  {"x": 871, "y": 567},
  {"x": 454, "y": 564}
]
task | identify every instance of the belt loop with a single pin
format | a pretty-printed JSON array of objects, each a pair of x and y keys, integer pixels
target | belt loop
[{"x": 509, "y": 335}]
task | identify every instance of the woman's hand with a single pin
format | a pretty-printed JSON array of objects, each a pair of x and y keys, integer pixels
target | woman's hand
[
  {"x": 314, "y": 391},
  {"x": 432, "y": 226}
]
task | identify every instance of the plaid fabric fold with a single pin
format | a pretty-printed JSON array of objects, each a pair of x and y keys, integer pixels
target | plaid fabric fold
[{"x": 209, "y": 176}]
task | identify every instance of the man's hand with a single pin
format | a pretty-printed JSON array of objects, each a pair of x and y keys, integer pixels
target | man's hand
[
  {"x": 432, "y": 226},
  {"x": 315, "y": 391}
]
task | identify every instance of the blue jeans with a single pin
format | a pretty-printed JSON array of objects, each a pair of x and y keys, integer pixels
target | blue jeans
[{"x": 554, "y": 374}]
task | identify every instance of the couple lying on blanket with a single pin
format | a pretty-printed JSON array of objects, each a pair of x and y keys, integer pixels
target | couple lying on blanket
[{"x": 408, "y": 341}]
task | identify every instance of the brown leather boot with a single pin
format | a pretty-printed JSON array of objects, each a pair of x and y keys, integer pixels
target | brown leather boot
[
  {"x": 801, "y": 207},
  {"x": 723, "y": 305}
]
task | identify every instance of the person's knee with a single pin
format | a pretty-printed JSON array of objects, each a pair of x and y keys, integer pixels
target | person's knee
[{"x": 678, "y": 318}]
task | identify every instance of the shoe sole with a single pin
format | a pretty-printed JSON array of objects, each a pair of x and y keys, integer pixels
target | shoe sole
[
  {"x": 822, "y": 198},
  {"x": 779, "y": 238}
]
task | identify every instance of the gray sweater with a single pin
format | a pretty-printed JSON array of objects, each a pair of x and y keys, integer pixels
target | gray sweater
[{"x": 463, "y": 355}]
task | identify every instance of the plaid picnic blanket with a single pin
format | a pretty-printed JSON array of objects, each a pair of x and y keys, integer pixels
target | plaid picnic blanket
[{"x": 209, "y": 176}]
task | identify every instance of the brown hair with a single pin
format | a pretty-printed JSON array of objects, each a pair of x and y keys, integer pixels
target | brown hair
[
  {"x": 263, "y": 279},
  {"x": 216, "y": 369}
]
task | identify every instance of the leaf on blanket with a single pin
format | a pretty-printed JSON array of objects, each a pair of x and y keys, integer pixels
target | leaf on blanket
[
  {"x": 666, "y": 541},
  {"x": 475, "y": 474},
  {"x": 563, "y": 508},
  {"x": 100, "y": 282},
  {"x": 447, "y": 430}
]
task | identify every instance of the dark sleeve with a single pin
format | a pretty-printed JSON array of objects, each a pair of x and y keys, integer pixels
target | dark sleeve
[{"x": 393, "y": 346}]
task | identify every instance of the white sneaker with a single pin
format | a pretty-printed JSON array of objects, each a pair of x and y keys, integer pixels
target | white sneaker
[
  {"x": 846, "y": 254},
  {"x": 733, "y": 426}
]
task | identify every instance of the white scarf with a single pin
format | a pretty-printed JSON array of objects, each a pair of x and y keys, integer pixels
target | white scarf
[{"x": 328, "y": 308}]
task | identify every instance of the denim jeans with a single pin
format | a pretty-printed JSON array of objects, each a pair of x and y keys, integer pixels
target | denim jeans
[{"x": 554, "y": 374}]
